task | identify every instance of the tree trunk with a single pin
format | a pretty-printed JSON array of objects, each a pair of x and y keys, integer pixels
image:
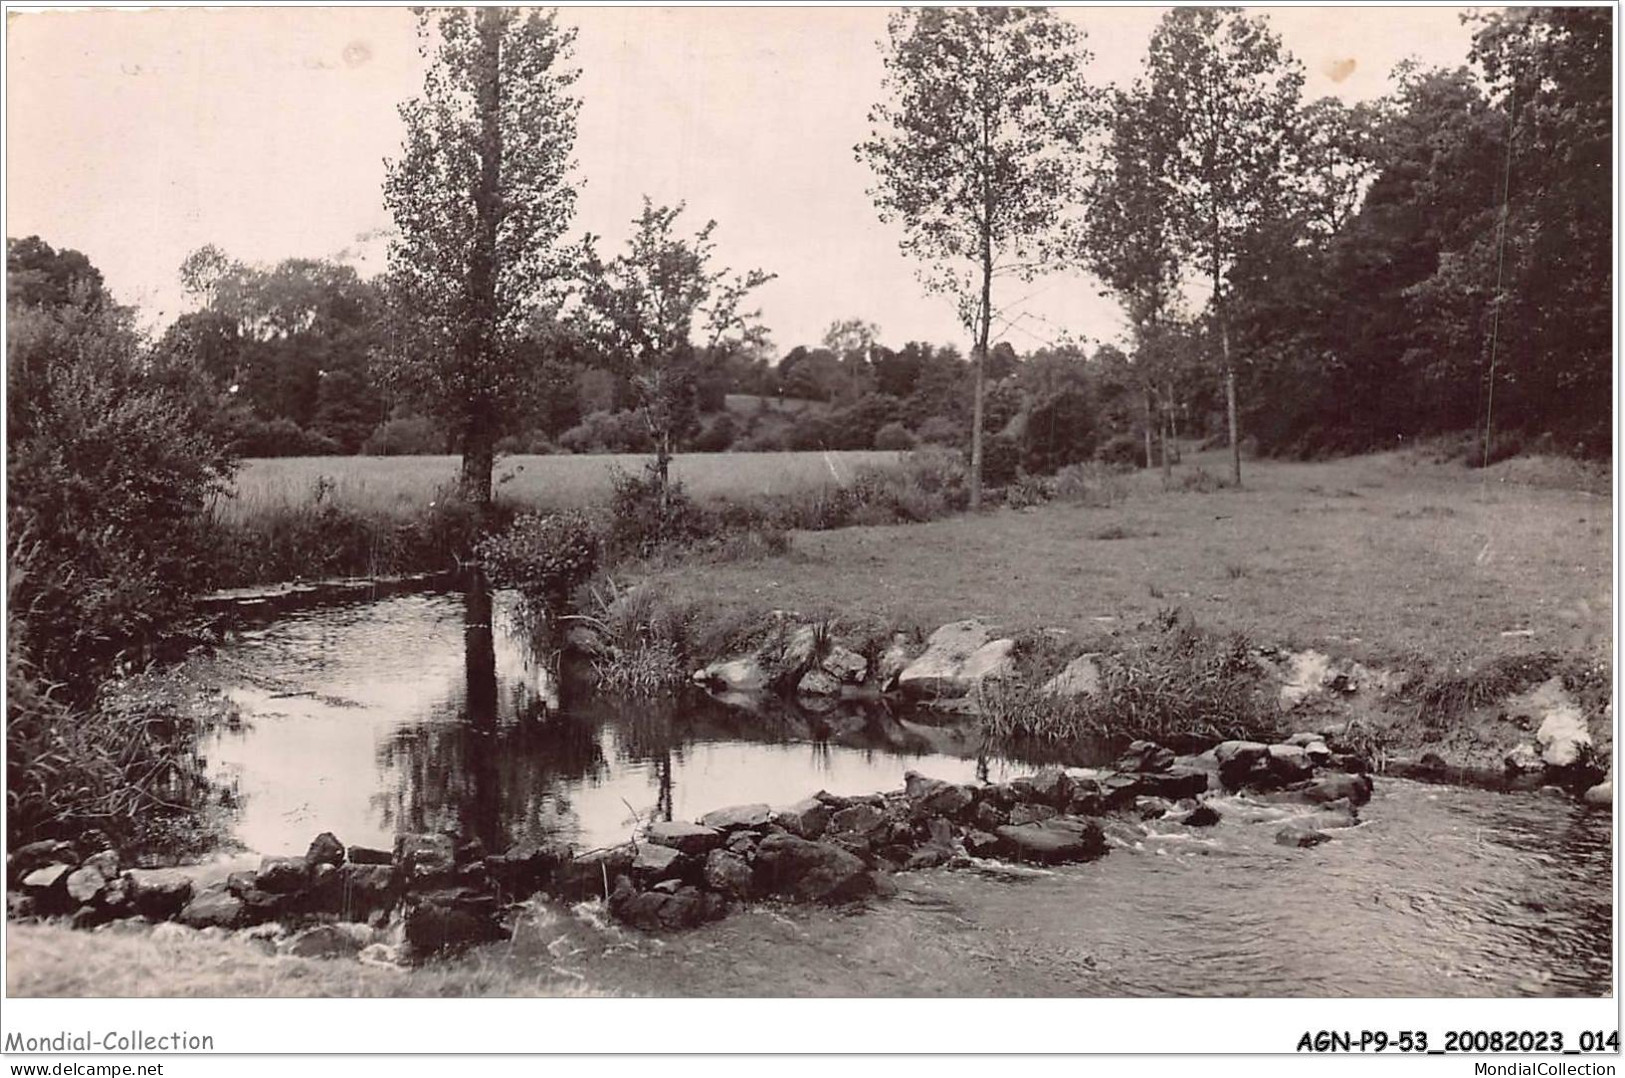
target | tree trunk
[
  {"x": 1150, "y": 420},
  {"x": 479, "y": 457},
  {"x": 1230, "y": 403},
  {"x": 983, "y": 331},
  {"x": 1167, "y": 444}
]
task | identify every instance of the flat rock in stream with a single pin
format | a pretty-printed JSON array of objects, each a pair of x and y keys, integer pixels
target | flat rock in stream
[{"x": 1054, "y": 841}]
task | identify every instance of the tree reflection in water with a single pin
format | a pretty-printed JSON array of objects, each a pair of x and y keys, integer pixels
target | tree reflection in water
[{"x": 487, "y": 763}]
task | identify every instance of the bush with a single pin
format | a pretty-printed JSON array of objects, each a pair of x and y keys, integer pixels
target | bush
[
  {"x": 894, "y": 436},
  {"x": 718, "y": 437},
  {"x": 1001, "y": 460},
  {"x": 941, "y": 430},
  {"x": 646, "y": 515},
  {"x": 405, "y": 436},
  {"x": 1122, "y": 451},
  {"x": 113, "y": 460},
  {"x": 545, "y": 556},
  {"x": 280, "y": 437},
  {"x": 608, "y": 432},
  {"x": 1028, "y": 490},
  {"x": 1089, "y": 484}
]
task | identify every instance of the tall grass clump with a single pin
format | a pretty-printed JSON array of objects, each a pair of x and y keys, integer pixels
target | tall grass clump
[
  {"x": 321, "y": 538},
  {"x": 1184, "y": 682}
]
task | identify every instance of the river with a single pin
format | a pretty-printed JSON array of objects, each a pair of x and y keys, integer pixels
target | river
[{"x": 422, "y": 712}]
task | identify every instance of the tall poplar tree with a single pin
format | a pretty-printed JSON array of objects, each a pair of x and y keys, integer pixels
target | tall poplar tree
[
  {"x": 1224, "y": 97},
  {"x": 975, "y": 153},
  {"x": 481, "y": 196}
]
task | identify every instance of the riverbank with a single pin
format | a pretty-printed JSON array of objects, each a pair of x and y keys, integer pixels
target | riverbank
[{"x": 1471, "y": 588}]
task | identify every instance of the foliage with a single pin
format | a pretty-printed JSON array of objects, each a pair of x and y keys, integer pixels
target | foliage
[
  {"x": 974, "y": 152},
  {"x": 546, "y": 556},
  {"x": 481, "y": 197},
  {"x": 641, "y": 312},
  {"x": 894, "y": 436},
  {"x": 113, "y": 458},
  {"x": 647, "y": 512},
  {"x": 404, "y": 436},
  {"x": 1180, "y": 682},
  {"x": 1223, "y": 102}
]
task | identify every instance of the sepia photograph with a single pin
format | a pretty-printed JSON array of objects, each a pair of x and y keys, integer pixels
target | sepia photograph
[{"x": 839, "y": 502}]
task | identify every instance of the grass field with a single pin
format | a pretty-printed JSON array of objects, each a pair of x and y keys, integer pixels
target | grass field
[
  {"x": 1385, "y": 557},
  {"x": 406, "y": 485}
]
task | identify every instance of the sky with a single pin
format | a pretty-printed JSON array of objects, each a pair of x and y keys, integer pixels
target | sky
[{"x": 137, "y": 137}]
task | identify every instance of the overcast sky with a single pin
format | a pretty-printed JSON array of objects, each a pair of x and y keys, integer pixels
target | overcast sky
[{"x": 137, "y": 137}]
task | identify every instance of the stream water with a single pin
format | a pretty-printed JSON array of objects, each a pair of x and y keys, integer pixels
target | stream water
[{"x": 428, "y": 711}]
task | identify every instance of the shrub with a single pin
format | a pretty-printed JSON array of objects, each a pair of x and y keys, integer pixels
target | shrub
[
  {"x": 1201, "y": 481},
  {"x": 941, "y": 430},
  {"x": 1028, "y": 490},
  {"x": 1089, "y": 484},
  {"x": 545, "y": 556},
  {"x": 1060, "y": 430},
  {"x": 405, "y": 436},
  {"x": 646, "y": 514},
  {"x": 718, "y": 437},
  {"x": 113, "y": 458},
  {"x": 894, "y": 436},
  {"x": 608, "y": 432},
  {"x": 1001, "y": 460},
  {"x": 1122, "y": 451},
  {"x": 252, "y": 436}
]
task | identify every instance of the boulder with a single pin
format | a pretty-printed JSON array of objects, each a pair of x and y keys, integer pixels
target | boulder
[
  {"x": 1300, "y": 837},
  {"x": 818, "y": 682},
  {"x": 364, "y": 889},
  {"x": 858, "y": 819},
  {"x": 1564, "y": 738},
  {"x": 1237, "y": 761},
  {"x": 979, "y": 843},
  {"x": 934, "y": 797},
  {"x": 366, "y": 855},
  {"x": 1053, "y": 841},
  {"x": 213, "y": 909},
  {"x": 592, "y": 874},
  {"x": 1080, "y": 677},
  {"x": 804, "y": 819},
  {"x": 690, "y": 838},
  {"x": 989, "y": 818},
  {"x": 1031, "y": 813},
  {"x": 1356, "y": 789},
  {"x": 34, "y": 855},
  {"x": 47, "y": 881},
  {"x": 425, "y": 859},
  {"x": 159, "y": 893},
  {"x": 328, "y": 941},
  {"x": 115, "y": 897},
  {"x": 809, "y": 871},
  {"x": 845, "y": 665},
  {"x": 525, "y": 868},
  {"x": 325, "y": 849},
  {"x": 728, "y": 874},
  {"x": 1202, "y": 816},
  {"x": 1051, "y": 786},
  {"x": 85, "y": 884},
  {"x": 106, "y": 862},
  {"x": 451, "y": 919},
  {"x": 956, "y": 656},
  {"x": 737, "y": 816},
  {"x": 1145, "y": 756},
  {"x": 1523, "y": 758},
  {"x": 1602, "y": 794},
  {"x": 654, "y": 862},
  {"x": 1320, "y": 754},
  {"x": 737, "y": 675},
  {"x": 1174, "y": 784},
  {"x": 1118, "y": 790},
  {"x": 282, "y": 875},
  {"x": 655, "y": 911},
  {"x": 1290, "y": 763},
  {"x": 892, "y": 662}
]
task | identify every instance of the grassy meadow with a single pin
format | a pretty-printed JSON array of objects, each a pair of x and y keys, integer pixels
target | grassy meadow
[
  {"x": 406, "y": 485},
  {"x": 1389, "y": 557}
]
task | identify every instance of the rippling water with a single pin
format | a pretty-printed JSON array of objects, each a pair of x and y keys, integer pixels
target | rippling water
[{"x": 406, "y": 714}]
